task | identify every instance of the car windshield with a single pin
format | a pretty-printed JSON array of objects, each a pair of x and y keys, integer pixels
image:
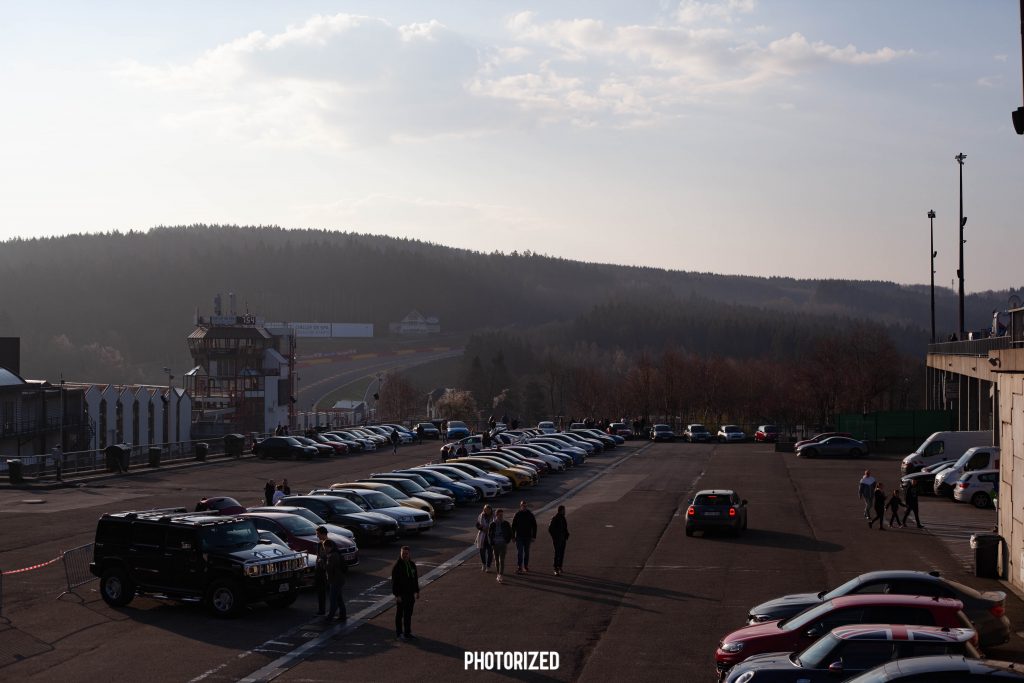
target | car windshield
[
  {"x": 769, "y": 428},
  {"x": 377, "y": 500},
  {"x": 731, "y": 429},
  {"x": 222, "y": 503},
  {"x": 409, "y": 486},
  {"x": 456, "y": 423},
  {"x": 297, "y": 525},
  {"x": 813, "y": 657},
  {"x": 343, "y": 506},
  {"x": 698, "y": 428},
  {"x": 389, "y": 490},
  {"x": 845, "y": 589},
  {"x": 456, "y": 474},
  {"x": 661, "y": 428},
  {"x": 797, "y": 622},
  {"x": 240, "y": 534},
  {"x": 712, "y": 499},
  {"x": 308, "y": 515},
  {"x": 291, "y": 440}
]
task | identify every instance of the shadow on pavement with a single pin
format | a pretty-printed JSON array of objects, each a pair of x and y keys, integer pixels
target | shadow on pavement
[
  {"x": 597, "y": 590},
  {"x": 776, "y": 539}
]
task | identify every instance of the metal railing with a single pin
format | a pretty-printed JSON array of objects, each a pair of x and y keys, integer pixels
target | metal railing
[
  {"x": 76, "y": 567},
  {"x": 974, "y": 347}
]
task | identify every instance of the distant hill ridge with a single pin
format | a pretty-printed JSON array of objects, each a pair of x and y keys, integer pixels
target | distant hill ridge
[{"x": 118, "y": 306}]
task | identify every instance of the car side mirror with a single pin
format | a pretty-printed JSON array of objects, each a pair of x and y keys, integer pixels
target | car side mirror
[
  {"x": 813, "y": 632},
  {"x": 836, "y": 667}
]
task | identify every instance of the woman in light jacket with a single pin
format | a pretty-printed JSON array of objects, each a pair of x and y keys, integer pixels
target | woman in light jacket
[{"x": 483, "y": 523}]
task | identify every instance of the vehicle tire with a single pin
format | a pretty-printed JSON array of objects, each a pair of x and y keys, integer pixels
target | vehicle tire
[
  {"x": 855, "y": 453},
  {"x": 283, "y": 601},
  {"x": 809, "y": 453},
  {"x": 224, "y": 598},
  {"x": 116, "y": 587},
  {"x": 981, "y": 500},
  {"x": 689, "y": 531}
]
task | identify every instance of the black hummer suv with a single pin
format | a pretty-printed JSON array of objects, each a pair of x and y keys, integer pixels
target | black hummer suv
[{"x": 177, "y": 554}]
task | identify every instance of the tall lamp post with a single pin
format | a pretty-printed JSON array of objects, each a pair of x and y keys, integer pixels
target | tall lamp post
[
  {"x": 931, "y": 222},
  {"x": 963, "y": 221}
]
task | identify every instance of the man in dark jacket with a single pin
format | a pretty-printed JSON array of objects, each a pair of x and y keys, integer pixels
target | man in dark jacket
[
  {"x": 558, "y": 528},
  {"x": 499, "y": 535},
  {"x": 524, "y": 532},
  {"x": 336, "y": 570},
  {"x": 405, "y": 586},
  {"x": 320, "y": 576},
  {"x": 910, "y": 500},
  {"x": 394, "y": 440}
]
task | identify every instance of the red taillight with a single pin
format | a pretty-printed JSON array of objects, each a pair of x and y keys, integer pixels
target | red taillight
[
  {"x": 961, "y": 484},
  {"x": 732, "y": 512},
  {"x": 997, "y": 610},
  {"x": 690, "y": 512}
]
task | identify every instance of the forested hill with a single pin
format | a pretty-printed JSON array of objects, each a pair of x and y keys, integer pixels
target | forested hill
[{"x": 117, "y": 307}]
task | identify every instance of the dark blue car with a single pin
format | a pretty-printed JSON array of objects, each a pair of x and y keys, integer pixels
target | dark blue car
[
  {"x": 457, "y": 430},
  {"x": 463, "y": 492}
]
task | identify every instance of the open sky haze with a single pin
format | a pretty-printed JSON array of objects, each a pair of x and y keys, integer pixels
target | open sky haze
[{"x": 803, "y": 138}]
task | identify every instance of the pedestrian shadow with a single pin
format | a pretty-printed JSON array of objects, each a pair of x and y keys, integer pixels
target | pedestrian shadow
[{"x": 768, "y": 538}]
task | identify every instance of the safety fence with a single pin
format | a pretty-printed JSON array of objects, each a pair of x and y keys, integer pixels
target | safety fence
[
  {"x": 76, "y": 574},
  {"x": 59, "y": 465}
]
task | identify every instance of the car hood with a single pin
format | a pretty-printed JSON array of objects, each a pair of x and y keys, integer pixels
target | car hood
[
  {"x": 262, "y": 552},
  {"x": 768, "y": 660},
  {"x": 787, "y": 605},
  {"x": 370, "y": 518},
  {"x": 344, "y": 543},
  {"x": 766, "y": 633}
]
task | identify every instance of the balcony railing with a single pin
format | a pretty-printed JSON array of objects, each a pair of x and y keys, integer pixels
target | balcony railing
[{"x": 974, "y": 347}]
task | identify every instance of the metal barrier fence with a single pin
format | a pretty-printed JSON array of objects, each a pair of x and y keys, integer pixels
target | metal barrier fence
[
  {"x": 76, "y": 567},
  {"x": 58, "y": 465}
]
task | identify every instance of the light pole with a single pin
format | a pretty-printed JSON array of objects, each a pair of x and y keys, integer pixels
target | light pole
[
  {"x": 963, "y": 221},
  {"x": 931, "y": 223}
]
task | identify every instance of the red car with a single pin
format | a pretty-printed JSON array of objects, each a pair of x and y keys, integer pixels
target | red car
[
  {"x": 300, "y": 534},
  {"x": 799, "y": 631},
  {"x": 821, "y": 437},
  {"x": 767, "y": 434},
  {"x": 339, "y": 447}
]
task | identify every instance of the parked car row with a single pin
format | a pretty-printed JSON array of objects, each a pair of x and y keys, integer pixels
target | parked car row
[
  {"x": 868, "y": 627},
  {"x": 341, "y": 441}
]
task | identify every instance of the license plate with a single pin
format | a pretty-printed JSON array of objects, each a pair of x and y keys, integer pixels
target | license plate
[
  {"x": 712, "y": 514},
  {"x": 389, "y": 533},
  {"x": 283, "y": 588}
]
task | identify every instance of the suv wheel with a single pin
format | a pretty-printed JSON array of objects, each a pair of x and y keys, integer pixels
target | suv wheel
[
  {"x": 980, "y": 500},
  {"x": 224, "y": 598},
  {"x": 116, "y": 588}
]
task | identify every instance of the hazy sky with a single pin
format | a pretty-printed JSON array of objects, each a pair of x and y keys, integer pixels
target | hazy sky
[{"x": 774, "y": 137}]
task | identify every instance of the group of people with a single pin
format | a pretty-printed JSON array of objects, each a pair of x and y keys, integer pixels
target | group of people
[
  {"x": 875, "y": 500},
  {"x": 274, "y": 492},
  {"x": 495, "y": 534}
]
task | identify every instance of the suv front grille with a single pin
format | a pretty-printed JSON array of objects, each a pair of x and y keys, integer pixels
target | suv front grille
[{"x": 275, "y": 567}]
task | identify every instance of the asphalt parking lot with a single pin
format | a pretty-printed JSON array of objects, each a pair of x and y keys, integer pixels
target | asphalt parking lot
[{"x": 638, "y": 600}]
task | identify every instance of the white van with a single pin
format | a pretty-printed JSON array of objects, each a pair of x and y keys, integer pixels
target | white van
[
  {"x": 943, "y": 446},
  {"x": 977, "y": 458}
]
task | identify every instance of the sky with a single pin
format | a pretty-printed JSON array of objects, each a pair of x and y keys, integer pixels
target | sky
[{"x": 804, "y": 138}]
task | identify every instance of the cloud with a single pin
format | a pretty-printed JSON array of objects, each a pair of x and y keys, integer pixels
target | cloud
[
  {"x": 344, "y": 80},
  {"x": 990, "y": 81}
]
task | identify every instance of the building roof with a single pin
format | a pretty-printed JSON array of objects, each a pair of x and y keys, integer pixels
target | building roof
[
  {"x": 230, "y": 333},
  {"x": 10, "y": 379}
]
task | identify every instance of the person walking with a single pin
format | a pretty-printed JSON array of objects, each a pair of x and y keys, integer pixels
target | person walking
[
  {"x": 866, "y": 490},
  {"x": 444, "y": 430},
  {"x": 499, "y": 533},
  {"x": 286, "y": 488},
  {"x": 268, "y": 492},
  {"x": 559, "y": 531},
  {"x": 394, "y": 440},
  {"x": 894, "y": 504},
  {"x": 320, "y": 574},
  {"x": 524, "y": 532},
  {"x": 405, "y": 586},
  {"x": 483, "y": 524},
  {"x": 878, "y": 501},
  {"x": 278, "y": 494},
  {"x": 910, "y": 500},
  {"x": 419, "y": 433},
  {"x": 336, "y": 570}
]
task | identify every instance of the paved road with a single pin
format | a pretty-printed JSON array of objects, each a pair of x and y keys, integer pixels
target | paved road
[{"x": 638, "y": 601}]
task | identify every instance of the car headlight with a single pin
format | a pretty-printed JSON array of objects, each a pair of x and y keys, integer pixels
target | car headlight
[
  {"x": 758, "y": 618},
  {"x": 731, "y": 648},
  {"x": 745, "y": 677},
  {"x": 252, "y": 570}
]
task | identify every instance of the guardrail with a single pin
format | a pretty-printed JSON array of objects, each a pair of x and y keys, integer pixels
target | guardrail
[{"x": 76, "y": 567}]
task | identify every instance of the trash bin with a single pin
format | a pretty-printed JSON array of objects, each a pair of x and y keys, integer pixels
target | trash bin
[
  {"x": 154, "y": 456},
  {"x": 986, "y": 555},
  {"x": 14, "y": 472},
  {"x": 117, "y": 458},
  {"x": 202, "y": 448},
  {"x": 234, "y": 444}
]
